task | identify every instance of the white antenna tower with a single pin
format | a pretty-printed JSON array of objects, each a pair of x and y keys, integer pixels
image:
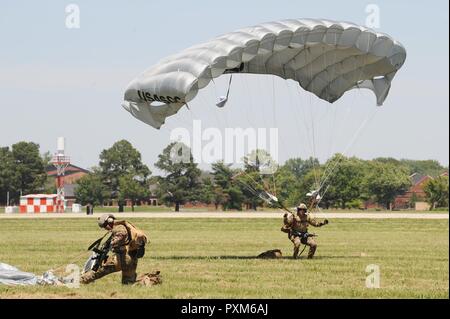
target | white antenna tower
[{"x": 60, "y": 161}]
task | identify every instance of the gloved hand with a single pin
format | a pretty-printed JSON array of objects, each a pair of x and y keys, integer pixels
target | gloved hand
[{"x": 285, "y": 230}]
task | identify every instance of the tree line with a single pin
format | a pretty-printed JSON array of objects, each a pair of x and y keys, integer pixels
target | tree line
[{"x": 345, "y": 182}]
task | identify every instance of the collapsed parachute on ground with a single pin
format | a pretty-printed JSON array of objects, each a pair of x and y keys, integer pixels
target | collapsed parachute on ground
[
  {"x": 325, "y": 57},
  {"x": 12, "y": 276}
]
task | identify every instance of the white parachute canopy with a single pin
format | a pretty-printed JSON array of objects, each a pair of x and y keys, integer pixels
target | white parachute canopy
[
  {"x": 325, "y": 57},
  {"x": 12, "y": 276}
]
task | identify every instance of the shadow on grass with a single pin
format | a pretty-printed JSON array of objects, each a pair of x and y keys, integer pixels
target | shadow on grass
[{"x": 230, "y": 257}]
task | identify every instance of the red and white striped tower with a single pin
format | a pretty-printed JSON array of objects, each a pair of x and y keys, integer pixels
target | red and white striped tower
[{"x": 60, "y": 161}]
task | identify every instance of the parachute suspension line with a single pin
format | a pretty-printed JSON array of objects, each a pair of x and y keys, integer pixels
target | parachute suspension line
[
  {"x": 283, "y": 142},
  {"x": 311, "y": 114},
  {"x": 215, "y": 86},
  {"x": 274, "y": 185},
  {"x": 261, "y": 88},
  {"x": 273, "y": 103},
  {"x": 71, "y": 261},
  {"x": 265, "y": 194},
  {"x": 331, "y": 137},
  {"x": 302, "y": 113},
  {"x": 206, "y": 104},
  {"x": 347, "y": 116},
  {"x": 250, "y": 98},
  {"x": 322, "y": 196},
  {"x": 229, "y": 85},
  {"x": 259, "y": 110},
  {"x": 327, "y": 174},
  {"x": 294, "y": 111},
  {"x": 333, "y": 106},
  {"x": 327, "y": 88},
  {"x": 298, "y": 110},
  {"x": 252, "y": 103},
  {"x": 251, "y": 189},
  {"x": 316, "y": 173},
  {"x": 248, "y": 187},
  {"x": 191, "y": 114},
  {"x": 247, "y": 88},
  {"x": 274, "y": 190},
  {"x": 180, "y": 121},
  {"x": 265, "y": 186},
  {"x": 368, "y": 119}
]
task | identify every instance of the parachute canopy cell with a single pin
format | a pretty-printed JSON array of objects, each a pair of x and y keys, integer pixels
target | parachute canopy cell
[{"x": 327, "y": 58}]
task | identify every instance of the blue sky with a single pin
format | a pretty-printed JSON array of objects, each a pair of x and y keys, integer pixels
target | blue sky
[{"x": 49, "y": 72}]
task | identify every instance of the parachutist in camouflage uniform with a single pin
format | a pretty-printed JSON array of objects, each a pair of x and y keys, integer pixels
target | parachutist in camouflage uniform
[
  {"x": 127, "y": 245},
  {"x": 296, "y": 226}
]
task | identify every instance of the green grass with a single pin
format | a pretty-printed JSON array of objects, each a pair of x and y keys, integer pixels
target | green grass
[
  {"x": 137, "y": 209},
  {"x": 159, "y": 209},
  {"x": 214, "y": 258}
]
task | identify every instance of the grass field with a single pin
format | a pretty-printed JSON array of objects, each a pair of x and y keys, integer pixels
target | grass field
[
  {"x": 214, "y": 258},
  {"x": 161, "y": 209}
]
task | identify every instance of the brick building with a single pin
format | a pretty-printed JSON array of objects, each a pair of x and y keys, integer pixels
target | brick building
[
  {"x": 414, "y": 197},
  {"x": 72, "y": 174}
]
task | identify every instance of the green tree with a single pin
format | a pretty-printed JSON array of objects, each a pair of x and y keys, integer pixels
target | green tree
[
  {"x": 258, "y": 176},
  {"x": 251, "y": 184},
  {"x": 287, "y": 186},
  {"x": 296, "y": 178},
  {"x": 343, "y": 181},
  {"x": 29, "y": 168},
  {"x": 426, "y": 167},
  {"x": 220, "y": 197},
  {"x": 212, "y": 193},
  {"x": 300, "y": 167},
  {"x": 90, "y": 189},
  {"x": 385, "y": 181},
  {"x": 260, "y": 161},
  {"x": 436, "y": 191},
  {"x": 122, "y": 159},
  {"x": 181, "y": 182},
  {"x": 227, "y": 191},
  {"x": 306, "y": 184},
  {"x": 133, "y": 189},
  {"x": 8, "y": 181},
  {"x": 207, "y": 191}
]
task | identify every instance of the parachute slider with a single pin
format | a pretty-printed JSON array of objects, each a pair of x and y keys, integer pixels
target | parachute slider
[{"x": 222, "y": 101}]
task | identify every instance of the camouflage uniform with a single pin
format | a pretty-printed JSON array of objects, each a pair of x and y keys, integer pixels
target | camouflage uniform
[
  {"x": 294, "y": 224},
  {"x": 124, "y": 258}
]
